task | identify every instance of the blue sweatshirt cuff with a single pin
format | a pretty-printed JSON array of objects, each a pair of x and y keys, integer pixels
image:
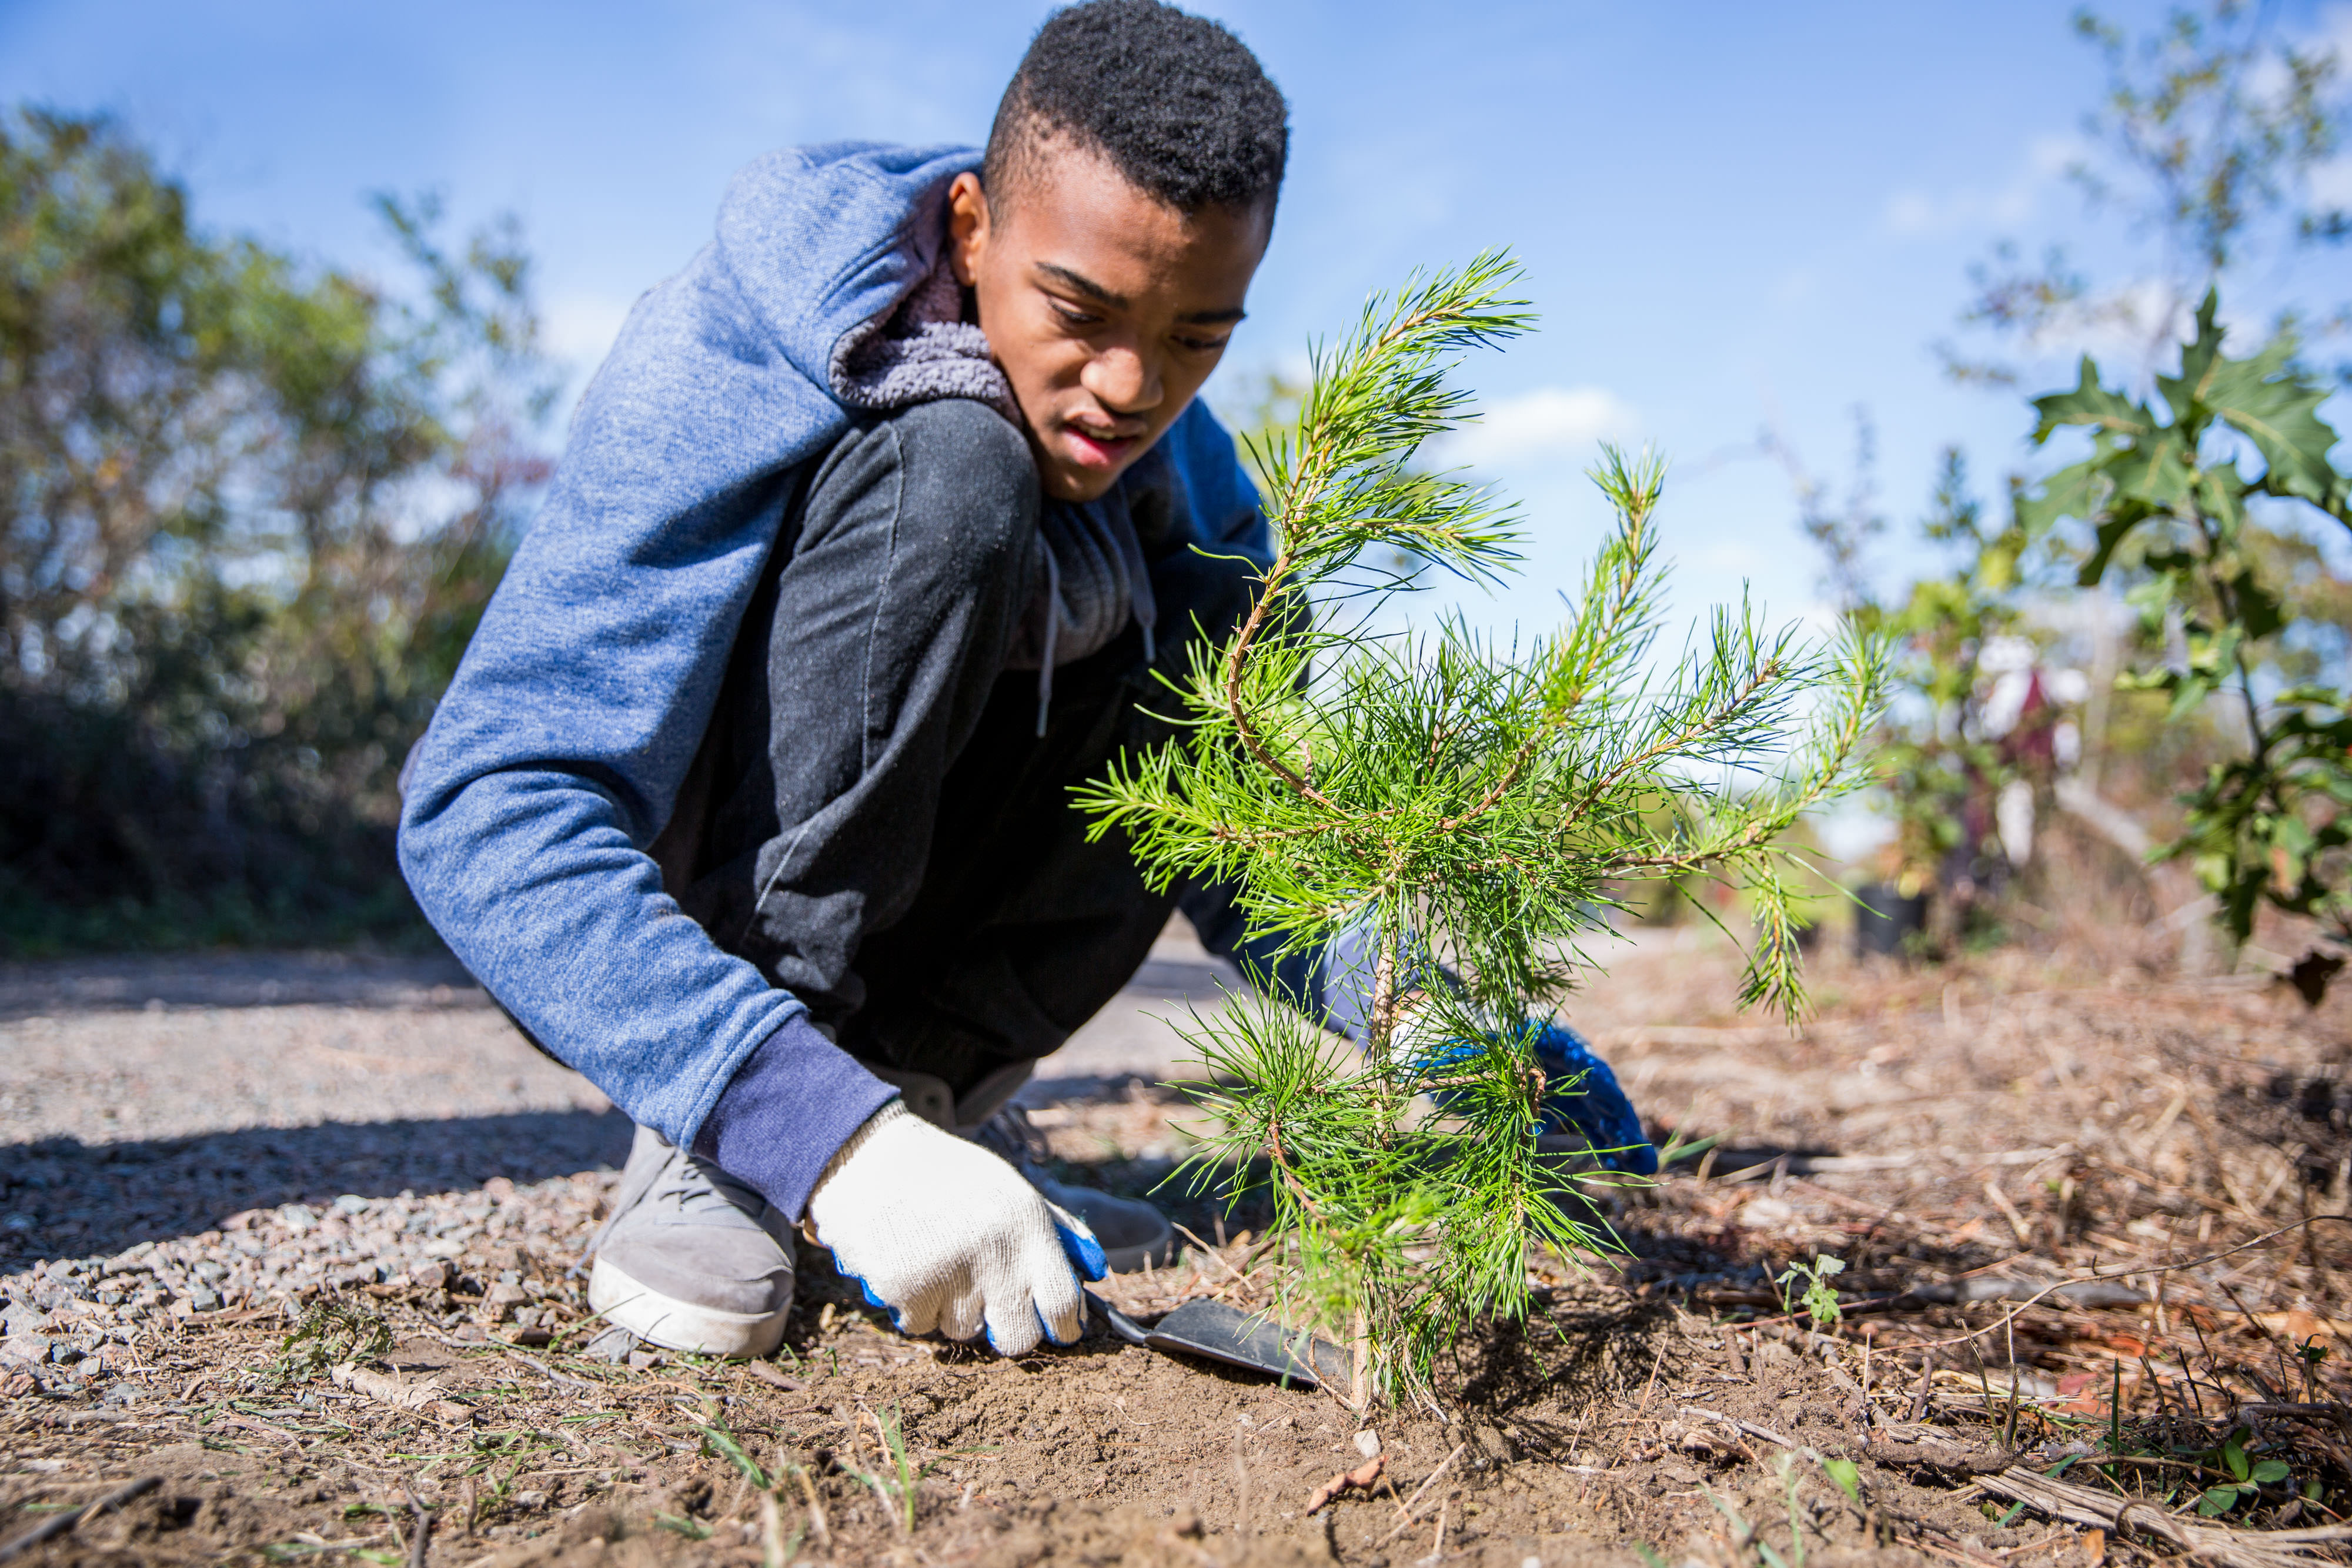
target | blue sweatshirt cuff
[{"x": 789, "y": 1108}]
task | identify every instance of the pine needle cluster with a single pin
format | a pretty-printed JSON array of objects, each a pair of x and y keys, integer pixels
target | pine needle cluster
[{"x": 1471, "y": 808}]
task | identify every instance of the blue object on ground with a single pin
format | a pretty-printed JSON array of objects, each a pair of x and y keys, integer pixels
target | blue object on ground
[{"x": 1582, "y": 1096}]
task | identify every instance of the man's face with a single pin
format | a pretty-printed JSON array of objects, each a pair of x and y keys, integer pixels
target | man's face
[{"x": 1106, "y": 308}]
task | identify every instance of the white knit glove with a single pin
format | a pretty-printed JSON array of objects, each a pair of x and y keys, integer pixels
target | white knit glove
[{"x": 946, "y": 1236}]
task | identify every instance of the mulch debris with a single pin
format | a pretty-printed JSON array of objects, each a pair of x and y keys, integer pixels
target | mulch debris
[{"x": 2091, "y": 1309}]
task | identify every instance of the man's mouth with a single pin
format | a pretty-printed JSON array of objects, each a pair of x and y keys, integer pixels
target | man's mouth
[{"x": 1100, "y": 448}]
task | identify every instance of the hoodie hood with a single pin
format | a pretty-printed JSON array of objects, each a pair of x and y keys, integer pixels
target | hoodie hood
[{"x": 820, "y": 241}]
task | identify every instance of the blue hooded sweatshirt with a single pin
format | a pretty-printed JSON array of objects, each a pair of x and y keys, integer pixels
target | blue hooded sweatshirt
[{"x": 557, "y": 756}]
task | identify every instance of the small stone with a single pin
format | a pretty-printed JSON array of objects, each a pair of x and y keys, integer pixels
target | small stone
[
  {"x": 613, "y": 1344},
  {"x": 1368, "y": 1443}
]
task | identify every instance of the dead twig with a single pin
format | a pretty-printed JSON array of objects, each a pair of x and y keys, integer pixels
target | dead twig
[
  {"x": 58, "y": 1524},
  {"x": 2122, "y": 1273},
  {"x": 1656, "y": 1362},
  {"x": 1737, "y": 1425},
  {"x": 1361, "y": 1478},
  {"x": 2220, "y": 1544},
  {"x": 1404, "y": 1514},
  {"x": 424, "y": 1531}
]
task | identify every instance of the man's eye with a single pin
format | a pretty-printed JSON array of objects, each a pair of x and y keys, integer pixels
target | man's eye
[
  {"x": 1074, "y": 317},
  {"x": 1204, "y": 345}
]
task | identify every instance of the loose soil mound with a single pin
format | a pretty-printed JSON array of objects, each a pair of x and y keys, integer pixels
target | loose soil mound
[{"x": 1959, "y": 1139}]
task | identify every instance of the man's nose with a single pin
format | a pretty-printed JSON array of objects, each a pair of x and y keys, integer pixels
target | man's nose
[{"x": 1123, "y": 379}]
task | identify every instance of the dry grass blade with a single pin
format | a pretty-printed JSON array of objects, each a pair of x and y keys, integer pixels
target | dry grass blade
[{"x": 1405, "y": 1513}]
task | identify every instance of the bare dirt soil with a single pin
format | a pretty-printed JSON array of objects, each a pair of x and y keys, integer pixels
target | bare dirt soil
[{"x": 326, "y": 1302}]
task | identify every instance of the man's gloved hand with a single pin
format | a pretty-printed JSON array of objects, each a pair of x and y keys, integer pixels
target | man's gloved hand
[
  {"x": 946, "y": 1236},
  {"x": 1581, "y": 1095}
]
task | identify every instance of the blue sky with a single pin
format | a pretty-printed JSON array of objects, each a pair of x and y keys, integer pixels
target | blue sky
[{"x": 1731, "y": 215}]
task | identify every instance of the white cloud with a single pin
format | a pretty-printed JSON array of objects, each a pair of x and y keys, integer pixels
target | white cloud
[
  {"x": 1914, "y": 213},
  {"x": 2136, "y": 328},
  {"x": 1549, "y": 424}
]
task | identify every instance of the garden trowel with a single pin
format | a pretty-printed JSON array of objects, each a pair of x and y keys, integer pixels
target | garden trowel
[{"x": 1220, "y": 1333}]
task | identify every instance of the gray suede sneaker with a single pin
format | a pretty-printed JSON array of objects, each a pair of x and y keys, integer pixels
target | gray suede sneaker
[
  {"x": 1132, "y": 1233},
  {"x": 692, "y": 1260}
]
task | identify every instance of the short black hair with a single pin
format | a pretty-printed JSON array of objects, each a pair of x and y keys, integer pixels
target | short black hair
[{"x": 1178, "y": 104}]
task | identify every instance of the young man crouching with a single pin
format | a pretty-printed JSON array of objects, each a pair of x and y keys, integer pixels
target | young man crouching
[{"x": 750, "y": 799}]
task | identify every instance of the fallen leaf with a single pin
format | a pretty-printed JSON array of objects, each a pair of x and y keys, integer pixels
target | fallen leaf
[{"x": 426, "y": 1396}]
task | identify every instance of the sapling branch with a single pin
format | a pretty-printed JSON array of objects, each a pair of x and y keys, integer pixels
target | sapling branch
[{"x": 1466, "y": 810}]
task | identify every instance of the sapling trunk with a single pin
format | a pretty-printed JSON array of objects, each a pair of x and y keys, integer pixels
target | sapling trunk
[{"x": 1465, "y": 810}]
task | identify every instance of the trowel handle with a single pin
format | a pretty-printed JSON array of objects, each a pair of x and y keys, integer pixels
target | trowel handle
[{"x": 1126, "y": 1327}]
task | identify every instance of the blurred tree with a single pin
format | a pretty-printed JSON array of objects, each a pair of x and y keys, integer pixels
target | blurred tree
[
  {"x": 2201, "y": 152},
  {"x": 2207, "y": 135},
  {"x": 249, "y": 513},
  {"x": 2268, "y": 824}
]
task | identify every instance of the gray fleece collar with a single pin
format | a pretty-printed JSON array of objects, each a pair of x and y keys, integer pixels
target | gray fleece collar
[{"x": 1091, "y": 576}]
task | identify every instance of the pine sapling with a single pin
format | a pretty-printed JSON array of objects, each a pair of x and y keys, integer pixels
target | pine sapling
[{"x": 1462, "y": 811}]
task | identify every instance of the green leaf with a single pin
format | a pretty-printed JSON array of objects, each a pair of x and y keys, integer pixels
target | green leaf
[
  {"x": 2217, "y": 1500},
  {"x": 2277, "y": 406},
  {"x": 718, "y": 1440},
  {"x": 2186, "y": 392},
  {"x": 2270, "y": 1472},
  {"x": 2093, "y": 404},
  {"x": 2220, "y": 494},
  {"x": 2234, "y": 1455},
  {"x": 2154, "y": 470},
  {"x": 2114, "y": 526},
  {"x": 1847, "y": 1475}
]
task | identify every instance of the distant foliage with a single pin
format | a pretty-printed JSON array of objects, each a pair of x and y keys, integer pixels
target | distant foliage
[
  {"x": 2167, "y": 482},
  {"x": 2210, "y": 130},
  {"x": 250, "y": 510}
]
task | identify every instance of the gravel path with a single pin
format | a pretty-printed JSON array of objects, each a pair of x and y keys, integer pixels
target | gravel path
[{"x": 184, "y": 1136}]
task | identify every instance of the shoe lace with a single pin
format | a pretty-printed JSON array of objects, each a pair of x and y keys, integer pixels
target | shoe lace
[{"x": 696, "y": 1186}]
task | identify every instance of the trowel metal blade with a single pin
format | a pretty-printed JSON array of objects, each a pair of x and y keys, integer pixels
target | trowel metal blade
[{"x": 1225, "y": 1333}]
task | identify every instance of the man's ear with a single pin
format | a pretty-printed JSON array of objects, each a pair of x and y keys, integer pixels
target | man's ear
[{"x": 968, "y": 227}]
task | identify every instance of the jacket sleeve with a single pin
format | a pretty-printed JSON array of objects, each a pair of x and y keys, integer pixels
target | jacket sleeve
[{"x": 558, "y": 753}]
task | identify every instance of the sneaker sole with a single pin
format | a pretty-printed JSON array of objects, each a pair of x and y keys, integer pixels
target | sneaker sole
[{"x": 674, "y": 1324}]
